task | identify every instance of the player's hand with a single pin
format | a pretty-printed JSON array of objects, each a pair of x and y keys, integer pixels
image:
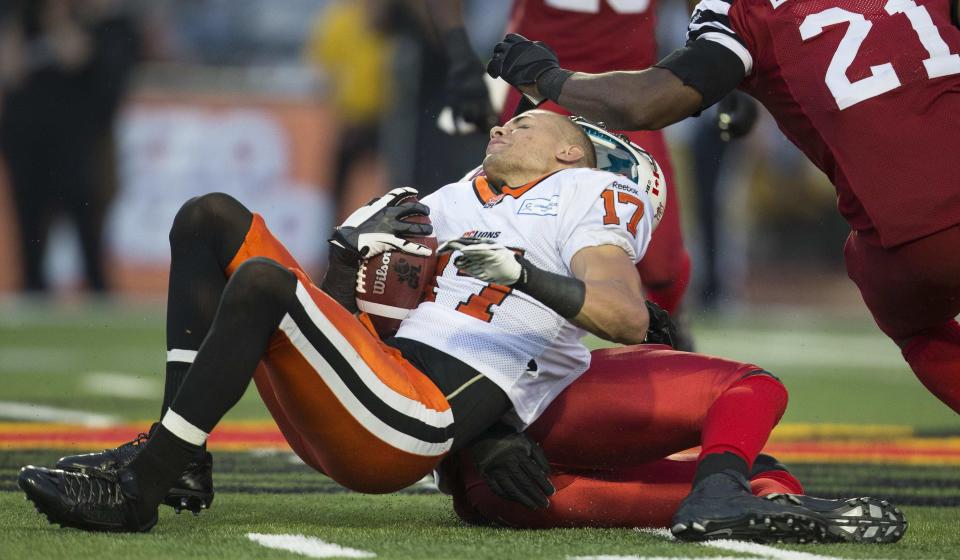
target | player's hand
[
  {"x": 378, "y": 226},
  {"x": 736, "y": 115},
  {"x": 484, "y": 260},
  {"x": 520, "y": 61},
  {"x": 466, "y": 93},
  {"x": 662, "y": 329},
  {"x": 514, "y": 467}
]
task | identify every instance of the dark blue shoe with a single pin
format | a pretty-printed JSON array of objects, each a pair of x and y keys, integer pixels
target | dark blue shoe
[
  {"x": 88, "y": 502},
  {"x": 855, "y": 520},
  {"x": 721, "y": 506},
  {"x": 192, "y": 491}
]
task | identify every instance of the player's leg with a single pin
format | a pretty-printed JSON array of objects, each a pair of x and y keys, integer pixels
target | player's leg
[
  {"x": 647, "y": 402},
  {"x": 370, "y": 419},
  {"x": 33, "y": 202},
  {"x": 913, "y": 292},
  {"x": 210, "y": 237},
  {"x": 373, "y": 421},
  {"x": 643, "y": 403},
  {"x": 642, "y": 496}
]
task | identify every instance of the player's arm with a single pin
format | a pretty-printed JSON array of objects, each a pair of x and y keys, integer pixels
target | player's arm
[
  {"x": 466, "y": 93},
  {"x": 613, "y": 304},
  {"x": 603, "y": 296},
  {"x": 712, "y": 63}
]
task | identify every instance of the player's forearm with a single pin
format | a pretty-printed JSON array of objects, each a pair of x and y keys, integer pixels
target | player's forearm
[
  {"x": 646, "y": 100},
  {"x": 612, "y": 311}
]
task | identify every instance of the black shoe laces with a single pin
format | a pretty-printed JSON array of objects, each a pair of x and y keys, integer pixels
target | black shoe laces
[
  {"x": 92, "y": 491},
  {"x": 129, "y": 450}
]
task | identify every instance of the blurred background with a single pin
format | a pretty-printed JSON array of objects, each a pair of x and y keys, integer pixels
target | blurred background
[{"x": 115, "y": 112}]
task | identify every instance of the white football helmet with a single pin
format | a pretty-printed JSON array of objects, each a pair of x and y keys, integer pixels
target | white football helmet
[{"x": 617, "y": 154}]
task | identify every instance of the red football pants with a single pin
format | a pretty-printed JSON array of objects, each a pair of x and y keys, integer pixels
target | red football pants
[
  {"x": 665, "y": 269},
  {"x": 913, "y": 292},
  {"x": 608, "y": 438}
]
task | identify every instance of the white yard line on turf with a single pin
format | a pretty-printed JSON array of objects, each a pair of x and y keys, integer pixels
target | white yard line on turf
[
  {"x": 308, "y": 546},
  {"x": 124, "y": 385},
  {"x": 617, "y": 557},
  {"x": 744, "y": 547},
  {"x": 40, "y": 413},
  {"x": 765, "y": 551}
]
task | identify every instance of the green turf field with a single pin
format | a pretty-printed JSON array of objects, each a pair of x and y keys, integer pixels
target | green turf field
[{"x": 106, "y": 363}]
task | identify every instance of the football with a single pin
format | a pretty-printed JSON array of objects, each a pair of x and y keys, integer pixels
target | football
[{"x": 390, "y": 285}]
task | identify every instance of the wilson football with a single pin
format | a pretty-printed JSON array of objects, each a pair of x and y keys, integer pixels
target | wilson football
[{"x": 390, "y": 285}]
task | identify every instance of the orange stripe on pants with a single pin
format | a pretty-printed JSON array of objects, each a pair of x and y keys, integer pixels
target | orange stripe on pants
[{"x": 314, "y": 422}]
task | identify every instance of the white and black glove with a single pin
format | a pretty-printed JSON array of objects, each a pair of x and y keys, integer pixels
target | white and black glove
[
  {"x": 378, "y": 226},
  {"x": 492, "y": 262},
  {"x": 484, "y": 260}
]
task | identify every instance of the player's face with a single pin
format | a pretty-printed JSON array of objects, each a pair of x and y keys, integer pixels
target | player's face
[{"x": 526, "y": 143}]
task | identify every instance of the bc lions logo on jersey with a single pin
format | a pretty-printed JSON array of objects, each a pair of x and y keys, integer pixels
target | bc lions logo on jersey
[{"x": 540, "y": 206}]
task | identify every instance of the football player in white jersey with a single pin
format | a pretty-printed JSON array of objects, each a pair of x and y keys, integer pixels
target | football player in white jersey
[
  {"x": 377, "y": 417},
  {"x": 542, "y": 249}
]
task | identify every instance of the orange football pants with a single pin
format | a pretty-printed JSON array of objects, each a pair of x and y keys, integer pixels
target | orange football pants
[{"x": 343, "y": 399}]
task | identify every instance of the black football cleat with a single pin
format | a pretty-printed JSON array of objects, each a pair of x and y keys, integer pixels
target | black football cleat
[
  {"x": 721, "y": 506},
  {"x": 854, "y": 520},
  {"x": 193, "y": 491},
  {"x": 102, "y": 502}
]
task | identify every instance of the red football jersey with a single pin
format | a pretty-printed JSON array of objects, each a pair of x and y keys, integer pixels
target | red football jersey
[
  {"x": 868, "y": 89},
  {"x": 591, "y": 35}
]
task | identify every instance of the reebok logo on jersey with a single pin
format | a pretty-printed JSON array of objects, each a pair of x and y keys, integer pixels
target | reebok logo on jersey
[
  {"x": 625, "y": 187},
  {"x": 541, "y": 206},
  {"x": 482, "y": 234}
]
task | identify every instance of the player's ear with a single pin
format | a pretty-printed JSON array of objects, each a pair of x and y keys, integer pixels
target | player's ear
[{"x": 570, "y": 153}]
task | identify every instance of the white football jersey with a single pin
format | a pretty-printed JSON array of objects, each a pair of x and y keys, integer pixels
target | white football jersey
[{"x": 527, "y": 349}]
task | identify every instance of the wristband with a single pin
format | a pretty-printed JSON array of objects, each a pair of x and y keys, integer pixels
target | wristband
[
  {"x": 563, "y": 294},
  {"x": 551, "y": 81}
]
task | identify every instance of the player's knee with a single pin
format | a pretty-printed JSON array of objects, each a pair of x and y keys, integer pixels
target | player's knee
[
  {"x": 769, "y": 385},
  {"x": 260, "y": 281},
  {"x": 762, "y": 374},
  {"x": 208, "y": 215}
]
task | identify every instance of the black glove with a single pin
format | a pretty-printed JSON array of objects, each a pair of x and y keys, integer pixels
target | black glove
[
  {"x": 736, "y": 115},
  {"x": 520, "y": 61},
  {"x": 340, "y": 281},
  {"x": 513, "y": 466},
  {"x": 378, "y": 226},
  {"x": 467, "y": 94},
  {"x": 662, "y": 330}
]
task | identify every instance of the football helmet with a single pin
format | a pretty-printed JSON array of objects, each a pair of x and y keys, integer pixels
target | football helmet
[{"x": 617, "y": 154}]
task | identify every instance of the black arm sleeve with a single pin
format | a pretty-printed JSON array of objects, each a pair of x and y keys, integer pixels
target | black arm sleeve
[
  {"x": 706, "y": 66},
  {"x": 563, "y": 294}
]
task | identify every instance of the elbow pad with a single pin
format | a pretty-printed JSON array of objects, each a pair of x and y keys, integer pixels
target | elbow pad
[{"x": 706, "y": 66}]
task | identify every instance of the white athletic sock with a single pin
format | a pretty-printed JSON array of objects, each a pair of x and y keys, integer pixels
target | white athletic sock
[
  {"x": 184, "y": 430},
  {"x": 182, "y": 356}
]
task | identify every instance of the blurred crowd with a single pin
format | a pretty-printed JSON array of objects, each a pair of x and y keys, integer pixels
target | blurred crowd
[{"x": 67, "y": 66}]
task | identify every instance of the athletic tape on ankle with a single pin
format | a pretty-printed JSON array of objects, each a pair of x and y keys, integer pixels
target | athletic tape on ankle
[
  {"x": 184, "y": 430},
  {"x": 183, "y": 356}
]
